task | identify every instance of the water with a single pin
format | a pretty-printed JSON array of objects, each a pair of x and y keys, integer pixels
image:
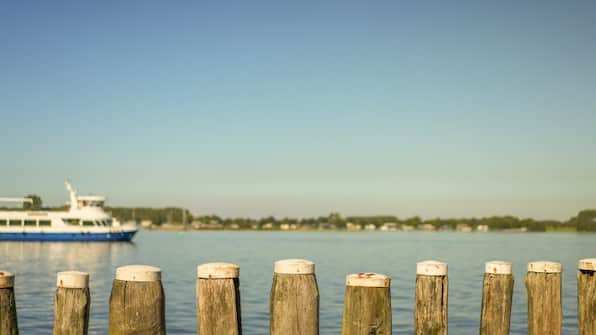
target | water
[{"x": 335, "y": 255}]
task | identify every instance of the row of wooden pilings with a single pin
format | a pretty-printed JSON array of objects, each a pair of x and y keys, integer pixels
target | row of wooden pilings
[{"x": 137, "y": 300}]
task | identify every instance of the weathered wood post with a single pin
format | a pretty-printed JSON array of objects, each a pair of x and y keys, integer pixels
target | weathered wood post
[
  {"x": 8, "y": 307},
  {"x": 218, "y": 299},
  {"x": 137, "y": 302},
  {"x": 497, "y": 295},
  {"x": 71, "y": 306},
  {"x": 545, "y": 312},
  {"x": 586, "y": 296},
  {"x": 367, "y": 306},
  {"x": 430, "y": 316},
  {"x": 294, "y": 298}
]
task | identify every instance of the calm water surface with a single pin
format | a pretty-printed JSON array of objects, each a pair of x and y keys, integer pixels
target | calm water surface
[{"x": 335, "y": 255}]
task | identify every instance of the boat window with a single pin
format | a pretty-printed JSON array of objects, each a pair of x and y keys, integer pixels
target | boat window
[
  {"x": 2, "y": 222},
  {"x": 109, "y": 222},
  {"x": 15, "y": 222},
  {"x": 30, "y": 223},
  {"x": 88, "y": 223},
  {"x": 44, "y": 223},
  {"x": 72, "y": 222},
  {"x": 101, "y": 223}
]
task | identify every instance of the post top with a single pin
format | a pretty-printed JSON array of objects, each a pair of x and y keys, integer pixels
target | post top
[
  {"x": 588, "y": 264},
  {"x": 368, "y": 279},
  {"x": 498, "y": 267},
  {"x": 6, "y": 279},
  {"x": 294, "y": 266},
  {"x": 431, "y": 268},
  {"x": 72, "y": 279},
  {"x": 138, "y": 273},
  {"x": 545, "y": 266},
  {"x": 218, "y": 270}
]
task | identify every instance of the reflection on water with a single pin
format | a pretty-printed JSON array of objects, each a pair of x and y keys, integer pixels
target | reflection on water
[
  {"x": 35, "y": 265},
  {"x": 335, "y": 255}
]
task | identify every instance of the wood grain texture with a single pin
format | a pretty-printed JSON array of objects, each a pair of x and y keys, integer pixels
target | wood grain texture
[
  {"x": 218, "y": 307},
  {"x": 586, "y": 302},
  {"x": 137, "y": 308},
  {"x": 8, "y": 312},
  {"x": 497, "y": 295},
  {"x": 367, "y": 311},
  {"x": 430, "y": 315},
  {"x": 71, "y": 311},
  {"x": 545, "y": 313},
  {"x": 294, "y": 305}
]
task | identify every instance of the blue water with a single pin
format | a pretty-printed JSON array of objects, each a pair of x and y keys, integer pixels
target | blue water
[{"x": 335, "y": 255}]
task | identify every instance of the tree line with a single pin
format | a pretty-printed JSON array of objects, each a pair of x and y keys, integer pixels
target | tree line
[{"x": 584, "y": 221}]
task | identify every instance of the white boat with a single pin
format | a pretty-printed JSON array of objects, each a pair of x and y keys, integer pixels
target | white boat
[{"x": 85, "y": 220}]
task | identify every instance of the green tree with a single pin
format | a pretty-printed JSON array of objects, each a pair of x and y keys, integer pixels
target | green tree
[
  {"x": 585, "y": 220},
  {"x": 35, "y": 204}
]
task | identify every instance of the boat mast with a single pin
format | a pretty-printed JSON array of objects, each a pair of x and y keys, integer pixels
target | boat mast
[{"x": 73, "y": 195}]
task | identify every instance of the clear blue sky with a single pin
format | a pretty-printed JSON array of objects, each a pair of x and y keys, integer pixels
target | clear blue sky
[{"x": 430, "y": 108}]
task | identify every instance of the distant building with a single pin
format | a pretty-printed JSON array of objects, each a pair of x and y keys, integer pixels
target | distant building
[
  {"x": 406, "y": 227},
  {"x": 326, "y": 226},
  {"x": 234, "y": 226},
  {"x": 389, "y": 226},
  {"x": 353, "y": 226},
  {"x": 482, "y": 228},
  {"x": 288, "y": 226},
  {"x": 267, "y": 226},
  {"x": 463, "y": 228},
  {"x": 370, "y": 226},
  {"x": 146, "y": 223},
  {"x": 426, "y": 227},
  {"x": 516, "y": 230},
  {"x": 207, "y": 225}
]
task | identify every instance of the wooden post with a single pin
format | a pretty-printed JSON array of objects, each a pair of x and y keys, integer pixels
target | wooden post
[
  {"x": 71, "y": 306},
  {"x": 137, "y": 302},
  {"x": 8, "y": 308},
  {"x": 430, "y": 316},
  {"x": 218, "y": 299},
  {"x": 586, "y": 296},
  {"x": 497, "y": 294},
  {"x": 294, "y": 298},
  {"x": 367, "y": 306},
  {"x": 545, "y": 312}
]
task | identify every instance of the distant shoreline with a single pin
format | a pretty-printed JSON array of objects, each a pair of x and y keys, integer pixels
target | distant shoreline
[
  {"x": 173, "y": 218},
  {"x": 179, "y": 227},
  {"x": 177, "y": 218}
]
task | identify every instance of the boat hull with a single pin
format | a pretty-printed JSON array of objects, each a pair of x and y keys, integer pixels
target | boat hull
[{"x": 46, "y": 236}]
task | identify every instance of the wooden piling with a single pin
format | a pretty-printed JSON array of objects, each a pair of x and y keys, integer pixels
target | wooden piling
[
  {"x": 430, "y": 315},
  {"x": 294, "y": 300},
  {"x": 367, "y": 306},
  {"x": 8, "y": 309},
  {"x": 72, "y": 302},
  {"x": 545, "y": 312},
  {"x": 218, "y": 299},
  {"x": 497, "y": 294},
  {"x": 586, "y": 296},
  {"x": 137, "y": 302}
]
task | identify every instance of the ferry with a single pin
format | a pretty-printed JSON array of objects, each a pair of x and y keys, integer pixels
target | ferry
[{"x": 85, "y": 220}]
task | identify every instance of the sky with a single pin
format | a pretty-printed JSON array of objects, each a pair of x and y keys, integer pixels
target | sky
[{"x": 257, "y": 108}]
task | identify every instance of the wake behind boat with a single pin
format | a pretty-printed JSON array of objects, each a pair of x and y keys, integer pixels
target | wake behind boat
[{"x": 86, "y": 220}]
